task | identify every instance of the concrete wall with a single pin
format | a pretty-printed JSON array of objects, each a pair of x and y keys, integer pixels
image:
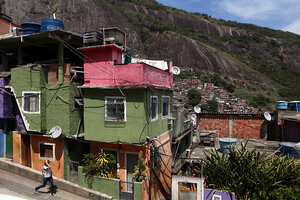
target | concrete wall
[
  {"x": 57, "y": 104},
  {"x": 105, "y": 69},
  {"x": 235, "y": 126},
  {"x": 291, "y": 131},
  {"x": 138, "y": 124},
  {"x": 107, "y": 186},
  {"x": 57, "y": 163}
]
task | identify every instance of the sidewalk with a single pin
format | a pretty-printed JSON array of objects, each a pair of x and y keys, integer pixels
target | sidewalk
[{"x": 17, "y": 169}]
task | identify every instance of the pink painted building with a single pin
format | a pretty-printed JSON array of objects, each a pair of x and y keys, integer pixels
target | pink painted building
[{"x": 104, "y": 68}]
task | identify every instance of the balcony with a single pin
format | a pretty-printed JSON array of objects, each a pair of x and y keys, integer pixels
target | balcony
[{"x": 126, "y": 75}]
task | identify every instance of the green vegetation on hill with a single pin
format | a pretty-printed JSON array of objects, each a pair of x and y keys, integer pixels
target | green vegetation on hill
[{"x": 265, "y": 50}]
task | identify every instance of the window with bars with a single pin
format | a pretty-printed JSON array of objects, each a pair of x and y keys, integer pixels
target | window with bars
[
  {"x": 165, "y": 106},
  {"x": 31, "y": 102},
  {"x": 154, "y": 108},
  {"x": 115, "y": 109},
  {"x": 46, "y": 151}
]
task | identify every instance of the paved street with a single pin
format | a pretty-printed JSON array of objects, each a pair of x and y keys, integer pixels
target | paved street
[{"x": 21, "y": 187}]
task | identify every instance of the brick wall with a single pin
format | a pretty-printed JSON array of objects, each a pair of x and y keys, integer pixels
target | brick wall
[
  {"x": 5, "y": 26},
  {"x": 243, "y": 126}
]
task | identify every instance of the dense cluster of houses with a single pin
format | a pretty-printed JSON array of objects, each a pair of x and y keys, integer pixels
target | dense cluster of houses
[
  {"x": 62, "y": 98},
  {"x": 209, "y": 91}
]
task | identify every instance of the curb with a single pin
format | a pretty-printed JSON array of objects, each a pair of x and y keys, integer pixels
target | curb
[{"x": 8, "y": 165}]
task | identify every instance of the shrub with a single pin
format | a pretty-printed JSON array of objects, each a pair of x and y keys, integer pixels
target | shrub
[
  {"x": 252, "y": 175},
  {"x": 100, "y": 164},
  {"x": 140, "y": 171}
]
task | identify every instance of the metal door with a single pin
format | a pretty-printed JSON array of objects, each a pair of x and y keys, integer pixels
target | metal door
[
  {"x": 128, "y": 194},
  {"x": 2, "y": 143},
  {"x": 131, "y": 162},
  {"x": 73, "y": 171}
]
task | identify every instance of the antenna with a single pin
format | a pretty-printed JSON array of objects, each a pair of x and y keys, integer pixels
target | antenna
[
  {"x": 197, "y": 109},
  {"x": 267, "y": 116},
  {"x": 55, "y": 132},
  {"x": 175, "y": 70},
  {"x": 194, "y": 119}
]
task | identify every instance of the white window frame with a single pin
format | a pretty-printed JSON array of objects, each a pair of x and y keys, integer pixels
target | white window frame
[
  {"x": 217, "y": 196},
  {"x": 115, "y": 97},
  {"x": 45, "y": 158},
  {"x": 156, "y": 117},
  {"x": 23, "y": 102},
  {"x": 162, "y": 107}
]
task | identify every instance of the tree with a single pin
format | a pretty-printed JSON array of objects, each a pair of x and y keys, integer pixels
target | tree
[
  {"x": 194, "y": 97},
  {"x": 210, "y": 107}
]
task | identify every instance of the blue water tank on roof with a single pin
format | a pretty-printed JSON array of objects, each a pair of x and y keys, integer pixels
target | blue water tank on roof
[
  {"x": 281, "y": 105},
  {"x": 30, "y": 27},
  {"x": 294, "y": 105},
  {"x": 49, "y": 24}
]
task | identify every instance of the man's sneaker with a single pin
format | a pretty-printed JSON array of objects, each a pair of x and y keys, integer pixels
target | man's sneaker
[
  {"x": 53, "y": 194},
  {"x": 36, "y": 191}
]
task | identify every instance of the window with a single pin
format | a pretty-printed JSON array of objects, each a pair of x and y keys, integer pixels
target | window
[
  {"x": 46, "y": 151},
  {"x": 217, "y": 197},
  {"x": 154, "y": 108},
  {"x": 52, "y": 73},
  {"x": 115, "y": 109},
  {"x": 165, "y": 106},
  {"x": 31, "y": 102}
]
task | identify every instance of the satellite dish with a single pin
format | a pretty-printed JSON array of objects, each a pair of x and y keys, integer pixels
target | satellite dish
[
  {"x": 175, "y": 70},
  {"x": 297, "y": 147},
  {"x": 55, "y": 132},
  {"x": 197, "y": 109},
  {"x": 194, "y": 117},
  {"x": 267, "y": 116}
]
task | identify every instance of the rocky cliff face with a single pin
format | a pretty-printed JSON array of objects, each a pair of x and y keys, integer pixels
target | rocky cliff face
[{"x": 159, "y": 32}]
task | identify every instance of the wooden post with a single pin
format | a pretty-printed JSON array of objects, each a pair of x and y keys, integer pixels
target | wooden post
[{"x": 60, "y": 63}]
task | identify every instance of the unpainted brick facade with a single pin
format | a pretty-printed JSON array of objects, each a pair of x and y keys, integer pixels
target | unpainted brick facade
[
  {"x": 235, "y": 126},
  {"x": 5, "y": 26}
]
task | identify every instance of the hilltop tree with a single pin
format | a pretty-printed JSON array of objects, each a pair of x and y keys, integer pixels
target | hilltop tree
[
  {"x": 210, "y": 107},
  {"x": 194, "y": 97}
]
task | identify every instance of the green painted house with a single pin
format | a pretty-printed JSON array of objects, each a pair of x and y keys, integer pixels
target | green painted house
[
  {"x": 141, "y": 114},
  {"x": 127, "y": 110}
]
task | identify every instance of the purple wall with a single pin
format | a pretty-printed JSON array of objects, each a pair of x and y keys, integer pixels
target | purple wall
[
  {"x": 208, "y": 194},
  {"x": 5, "y": 101}
]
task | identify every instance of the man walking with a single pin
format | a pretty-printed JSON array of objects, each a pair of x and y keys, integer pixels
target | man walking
[{"x": 47, "y": 174}]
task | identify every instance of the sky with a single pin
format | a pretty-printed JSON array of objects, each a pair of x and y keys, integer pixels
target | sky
[{"x": 276, "y": 14}]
